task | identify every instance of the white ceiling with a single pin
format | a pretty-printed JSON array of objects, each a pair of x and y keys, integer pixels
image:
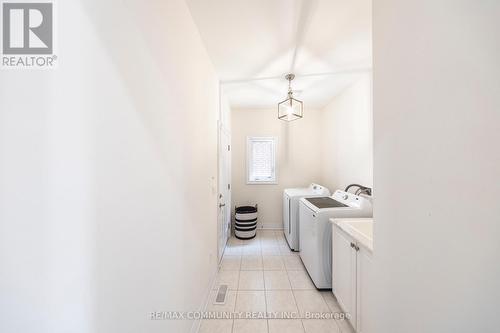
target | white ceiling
[{"x": 254, "y": 43}]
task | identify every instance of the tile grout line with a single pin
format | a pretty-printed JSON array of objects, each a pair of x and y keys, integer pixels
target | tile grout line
[
  {"x": 219, "y": 270},
  {"x": 265, "y": 293},
  {"x": 295, "y": 299},
  {"x": 237, "y": 289},
  {"x": 329, "y": 308},
  {"x": 234, "y": 309}
]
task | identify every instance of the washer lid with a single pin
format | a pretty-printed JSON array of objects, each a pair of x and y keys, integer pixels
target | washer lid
[
  {"x": 297, "y": 192},
  {"x": 313, "y": 190},
  {"x": 325, "y": 202}
]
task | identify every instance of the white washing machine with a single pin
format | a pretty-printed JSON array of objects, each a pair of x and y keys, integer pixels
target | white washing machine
[
  {"x": 316, "y": 231},
  {"x": 291, "y": 197}
]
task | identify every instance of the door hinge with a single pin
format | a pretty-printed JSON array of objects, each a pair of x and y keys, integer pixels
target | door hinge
[
  {"x": 228, "y": 147},
  {"x": 228, "y": 186}
]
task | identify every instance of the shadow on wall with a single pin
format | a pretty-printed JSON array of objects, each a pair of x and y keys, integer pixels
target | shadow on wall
[{"x": 150, "y": 138}]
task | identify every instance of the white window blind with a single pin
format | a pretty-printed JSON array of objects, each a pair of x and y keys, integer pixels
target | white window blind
[{"x": 261, "y": 160}]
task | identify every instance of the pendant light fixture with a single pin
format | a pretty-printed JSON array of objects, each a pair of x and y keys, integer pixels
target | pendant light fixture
[{"x": 291, "y": 108}]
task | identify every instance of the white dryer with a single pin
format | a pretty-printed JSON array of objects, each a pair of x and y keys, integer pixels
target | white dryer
[
  {"x": 316, "y": 231},
  {"x": 291, "y": 197}
]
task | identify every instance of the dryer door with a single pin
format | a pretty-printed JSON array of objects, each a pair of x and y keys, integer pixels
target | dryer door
[
  {"x": 308, "y": 242},
  {"x": 286, "y": 214}
]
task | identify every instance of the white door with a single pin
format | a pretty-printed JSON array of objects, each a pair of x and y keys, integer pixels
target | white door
[
  {"x": 364, "y": 291},
  {"x": 224, "y": 195},
  {"x": 344, "y": 273}
]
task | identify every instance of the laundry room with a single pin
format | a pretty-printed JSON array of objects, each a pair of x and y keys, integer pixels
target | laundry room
[
  {"x": 299, "y": 178},
  {"x": 299, "y": 161},
  {"x": 295, "y": 165},
  {"x": 249, "y": 166}
]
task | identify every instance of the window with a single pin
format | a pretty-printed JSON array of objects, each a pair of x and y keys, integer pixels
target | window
[{"x": 261, "y": 160}]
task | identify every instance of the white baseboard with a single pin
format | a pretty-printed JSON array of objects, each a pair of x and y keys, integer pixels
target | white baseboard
[{"x": 195, "y": 327}]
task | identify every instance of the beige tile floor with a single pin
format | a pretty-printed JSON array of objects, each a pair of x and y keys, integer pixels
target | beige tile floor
[{"x": 264, "y": 276}]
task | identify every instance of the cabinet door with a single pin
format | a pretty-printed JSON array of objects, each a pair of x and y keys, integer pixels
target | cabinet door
[
  {"x": 344, "y": 273},
  {"x": 364, "y": 290}
]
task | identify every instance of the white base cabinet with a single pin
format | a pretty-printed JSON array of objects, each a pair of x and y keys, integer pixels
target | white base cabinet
[
  {"x": 351, "y": 277},
  {"x": 363, "y": 290},
  {"x": 344, "y": 272}
]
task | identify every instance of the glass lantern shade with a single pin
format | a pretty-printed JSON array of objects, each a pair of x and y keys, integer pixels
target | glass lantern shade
[{"x": 290, "y": 109}]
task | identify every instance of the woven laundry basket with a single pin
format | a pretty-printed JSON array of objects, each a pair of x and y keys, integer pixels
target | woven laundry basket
[{"x": 245, "y": 222}]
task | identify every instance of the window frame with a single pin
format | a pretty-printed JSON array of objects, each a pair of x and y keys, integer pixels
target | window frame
[{"x": 250, "y": 140}]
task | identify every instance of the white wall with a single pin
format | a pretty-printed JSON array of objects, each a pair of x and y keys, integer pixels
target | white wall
[
  {"x": 437, "y": 166},
  {"x": 298, "y": 155},
  {"x": 105, "y": 164},
  {"x": 225, "y": 110},
  {"x": 347, "y": 138}
]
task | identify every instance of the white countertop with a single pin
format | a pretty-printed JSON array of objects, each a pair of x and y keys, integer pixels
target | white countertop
[{"x": 361, "y": 229}]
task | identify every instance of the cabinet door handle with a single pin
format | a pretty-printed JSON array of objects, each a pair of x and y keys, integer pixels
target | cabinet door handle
[
  {"x": 352, "y": 244},
  {"x": 356, "y": 247}
]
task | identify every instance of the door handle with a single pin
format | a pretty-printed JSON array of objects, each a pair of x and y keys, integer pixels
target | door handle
[{"x": 222, "y": 205}]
